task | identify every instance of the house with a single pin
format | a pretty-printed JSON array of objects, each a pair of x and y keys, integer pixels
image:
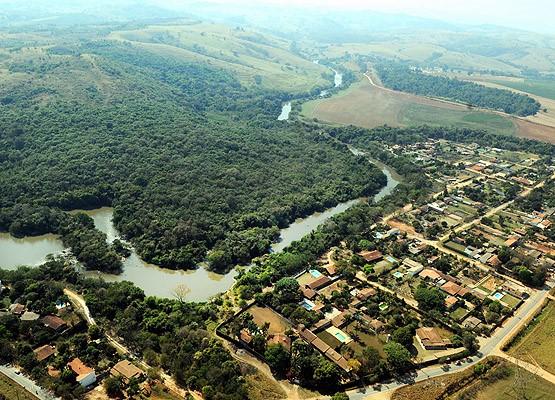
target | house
[
  {"x": 319, "y": 283},
  {"x": 331, "y": 269},
  {"x": 307, "y": 335},
  {"x": 53, "y": 322},
  {"x": 126, "y": 370},
  {"x": 454, "y": 289},
  {"x": 29, "y": 316},
  {"x": 338, "y": 359},
  {"x": 371, "y": 256},
  {"x": 494, "y": 261},
  {"x": 450, "y": 301},
  {"x": 85, "y": 375},
  {"x": 511, "y": 241},
  {"x": 431, "y": 274},
  {"x": 341, "y": 319},
  {"x": 431, "y": 339},
  {"x": 17, "y": 309},
  {"x": 281, "y": 339},
  {"x": 245, "y": 336},
  {"x": 366, "y": 293},
  {"x": 309, "y": 293},
  {"x": 44, "y": 352},
  {"x": 471, "y": 322},
  {"x": 414, "y": 267}
]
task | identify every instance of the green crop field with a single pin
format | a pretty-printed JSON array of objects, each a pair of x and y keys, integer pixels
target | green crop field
[{"x": 543, "y": 88}]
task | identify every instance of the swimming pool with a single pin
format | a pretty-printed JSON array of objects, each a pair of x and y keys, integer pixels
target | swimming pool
[
  {"x": 315, "y": 273},
  {"x": 307, "y": 304},
  {"x": 397, "y": 274},
  {"x": 498, "y": 296},
  {"x": 341, "y": 337}
]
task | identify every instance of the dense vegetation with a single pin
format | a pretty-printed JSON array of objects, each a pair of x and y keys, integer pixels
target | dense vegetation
[
  {"x": 190, "y": 159},
  {"x": 405, "y": 79},
  {"x": 169, "y": 334}
]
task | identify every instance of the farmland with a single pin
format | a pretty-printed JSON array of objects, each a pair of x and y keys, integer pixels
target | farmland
[
  {"x": 369, "y": 106},
  {"x": 538, "y": 344},
  {"x": 501, "y": 381}
]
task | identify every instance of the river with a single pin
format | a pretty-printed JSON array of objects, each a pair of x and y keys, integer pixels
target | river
[
  {"x": 27, "y": 251},
  {"x": 201, "y": 284},
  {"x": 287, "y": 107}
]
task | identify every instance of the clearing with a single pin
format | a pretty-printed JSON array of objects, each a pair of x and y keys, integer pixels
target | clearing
[{"x": 261, "y": 315}]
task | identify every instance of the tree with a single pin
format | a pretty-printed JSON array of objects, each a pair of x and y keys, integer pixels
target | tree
[
  {"x": 278, "y": 359},
  {"x": 398, "y": 357},
  {"x": 403, "y": 335},
  {"x": 430, "y": 298},
  {"x": 113, "y": 386},
  {"x": 288, "y": 291},
  {"x": 340, "y": 396},
  {"x": 326, "y": 373}
]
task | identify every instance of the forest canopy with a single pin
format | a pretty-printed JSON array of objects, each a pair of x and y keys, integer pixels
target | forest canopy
[{"x": 405, "y": 79}]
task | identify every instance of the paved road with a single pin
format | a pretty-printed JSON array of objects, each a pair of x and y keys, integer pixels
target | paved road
[
  {"x": 27, "y": 383},
  {"x": 488, "y": 347}
]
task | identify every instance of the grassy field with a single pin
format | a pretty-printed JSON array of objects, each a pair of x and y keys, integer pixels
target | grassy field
[
  {"x": 262, "y": 315},
  {"x": 250, "y": 55},
  {"x": 543, "y": 88},
  {"x": 501, "y": 382},
  {"x": 538, "y": 343},
  {"x": 368, "y": 106},
  {"x": 12, "y": 390}
]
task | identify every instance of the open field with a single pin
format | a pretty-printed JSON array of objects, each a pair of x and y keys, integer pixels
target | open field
[
  {"x": 250, "y": 55},
  {"x": 501, "y": 382},
  {"x": 12, "y": 390},
  {"x": 369, "y": 106},
  {"x": 538, "y": 344},
  {"x": 263, "y": 315}
]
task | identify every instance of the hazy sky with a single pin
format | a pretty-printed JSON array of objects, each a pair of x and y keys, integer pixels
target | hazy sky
[{"x": 537, "y": 15}]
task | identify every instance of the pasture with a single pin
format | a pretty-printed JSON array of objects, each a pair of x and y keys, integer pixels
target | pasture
[
  {"x": 369, "y": 106},
  {"x": 254, "y": 58},
  {"x": 538, "y": 343}
]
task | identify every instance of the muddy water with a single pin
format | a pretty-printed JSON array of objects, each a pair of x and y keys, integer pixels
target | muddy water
[{"x": 27, "y": 251}]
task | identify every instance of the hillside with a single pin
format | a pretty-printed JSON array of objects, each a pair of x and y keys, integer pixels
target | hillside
[{"x": 189, "y": 156}]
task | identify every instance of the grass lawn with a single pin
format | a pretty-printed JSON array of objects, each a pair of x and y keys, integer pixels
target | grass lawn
[
  {"x": 362, "y": 340},
  {"x": 12, "y": 390},
  {"x": 513, "y": 387},
  {"x": 455, "y": 246},
  {"x": 367, "y": 106},
  {"x": 331, "y": 340},
  {"x": 262, "y": 315},
  {"x": 459, "y": 314},
  {"x": 538, "y": 344},
  {"x": 510, "y": 300}
]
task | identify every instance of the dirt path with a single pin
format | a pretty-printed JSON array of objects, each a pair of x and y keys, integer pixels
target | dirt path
[{"x": 80, "y": 304}]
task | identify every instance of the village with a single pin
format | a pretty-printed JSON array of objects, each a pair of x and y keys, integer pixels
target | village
[{"x": 433, "y": 278}]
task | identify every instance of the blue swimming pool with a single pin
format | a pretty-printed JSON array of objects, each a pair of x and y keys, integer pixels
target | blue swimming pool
[
  {"x": 498, "y": 296},
  {"x": 315, "y": 273},
  {"x": 340, "y": 337},
  {"x": 307, "y": 304}
]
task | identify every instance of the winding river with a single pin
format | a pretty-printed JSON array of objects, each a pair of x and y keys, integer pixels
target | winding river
[{"x": 199, "y": 284}]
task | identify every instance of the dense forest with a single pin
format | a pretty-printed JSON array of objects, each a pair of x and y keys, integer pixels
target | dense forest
[
  {"x": 190, "y": 159},
  {"x": 405, "y": 79}
]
